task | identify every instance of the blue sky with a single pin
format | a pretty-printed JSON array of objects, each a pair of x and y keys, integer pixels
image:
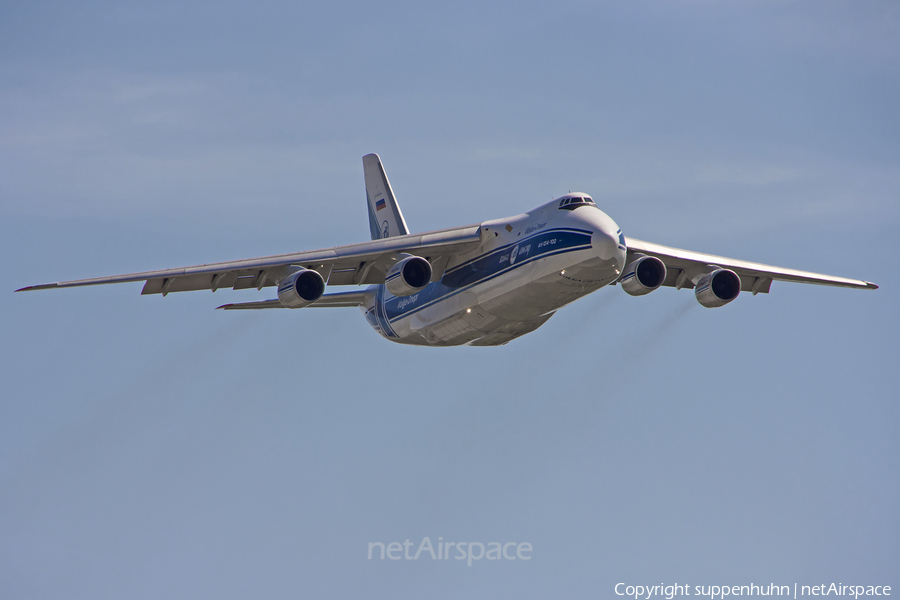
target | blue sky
[{"x": 155, "y": 447}]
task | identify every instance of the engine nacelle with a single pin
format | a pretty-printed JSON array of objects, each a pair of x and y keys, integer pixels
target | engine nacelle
[
  {"x": 408, "y": 276},
  {"x": 301, "y": 288},
  {"x": 717, "y": 288},
  {"x": 643, "y": 275}
]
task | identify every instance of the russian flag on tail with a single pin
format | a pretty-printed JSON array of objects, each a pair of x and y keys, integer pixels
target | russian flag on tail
[{"x": 379, "y": 204}]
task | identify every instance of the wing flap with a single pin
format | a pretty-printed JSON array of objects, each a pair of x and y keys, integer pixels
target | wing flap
[{"x": 755, "y": 277}]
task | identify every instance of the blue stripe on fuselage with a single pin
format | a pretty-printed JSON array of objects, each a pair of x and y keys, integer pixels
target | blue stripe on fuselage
[
  {"x": 486, "y": 267},
  {"x": 522, "y": 241},
  {"x": 381, "y": 314}
]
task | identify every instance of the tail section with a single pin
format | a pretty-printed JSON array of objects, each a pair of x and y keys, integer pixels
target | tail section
[{"x": 385, "y": 218}]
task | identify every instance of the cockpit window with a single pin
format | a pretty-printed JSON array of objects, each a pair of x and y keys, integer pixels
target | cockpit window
[{"x": 574, "y": 202}]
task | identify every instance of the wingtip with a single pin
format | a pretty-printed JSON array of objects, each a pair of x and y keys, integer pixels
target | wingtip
[
  {"x": 871, "y": 285},
  {"x": 31, "y": 288},
  {"x": 225, "y": 307}
]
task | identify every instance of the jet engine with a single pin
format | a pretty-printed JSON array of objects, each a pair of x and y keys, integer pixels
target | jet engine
[
  {"x": 408, "y": 276},
  {"x": 301, "y": 288},
  {"x": 643, "y": 275},
  {"x": 717, "y": 288}
]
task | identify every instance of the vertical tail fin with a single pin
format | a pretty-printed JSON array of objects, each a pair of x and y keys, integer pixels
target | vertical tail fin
[{"x": 385, "y": 218}]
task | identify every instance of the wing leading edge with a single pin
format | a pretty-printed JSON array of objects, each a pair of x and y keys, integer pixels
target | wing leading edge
[
  {"x": 353, "y": 264},
  {"x": 681, "y": 265}
]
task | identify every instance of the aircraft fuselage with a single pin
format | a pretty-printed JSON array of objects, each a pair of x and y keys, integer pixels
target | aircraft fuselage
[{"x": 526, "y": 268}]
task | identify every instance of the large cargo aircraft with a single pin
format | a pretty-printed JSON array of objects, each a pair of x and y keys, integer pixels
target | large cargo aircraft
[{"x": 481, "y": 285}]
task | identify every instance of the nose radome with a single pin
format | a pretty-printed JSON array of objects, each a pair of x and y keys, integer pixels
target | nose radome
[
  {"x": 606, "y": 246},
  {"x": 605, "y": 240}
]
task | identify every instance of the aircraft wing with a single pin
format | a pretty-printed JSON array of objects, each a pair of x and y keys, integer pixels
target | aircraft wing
[
  {"x": 755, "y": 277},
  {"x": 353, "y": 264}
]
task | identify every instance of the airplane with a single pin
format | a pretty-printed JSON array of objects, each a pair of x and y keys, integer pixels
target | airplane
[{"x": 481, "y": 285}]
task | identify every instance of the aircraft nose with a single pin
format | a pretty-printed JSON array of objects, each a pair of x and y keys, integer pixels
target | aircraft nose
[{"x": 608, "y": 241}]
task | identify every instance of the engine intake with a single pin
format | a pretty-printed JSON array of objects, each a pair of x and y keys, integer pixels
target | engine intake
[
  {"x": 717, "y": 288},
  {"x": 643, "y": 275},
  {"x": 408, "y": 276},
  {"x": 301, "y": 288}
]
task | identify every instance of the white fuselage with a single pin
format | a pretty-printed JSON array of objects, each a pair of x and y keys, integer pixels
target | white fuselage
[{"x": 525, "y": 268}]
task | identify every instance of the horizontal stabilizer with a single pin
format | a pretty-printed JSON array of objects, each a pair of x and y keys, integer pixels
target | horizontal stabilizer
[
  {"x": 252, "y": 305},
  {"x": 336, "y": 300}
]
